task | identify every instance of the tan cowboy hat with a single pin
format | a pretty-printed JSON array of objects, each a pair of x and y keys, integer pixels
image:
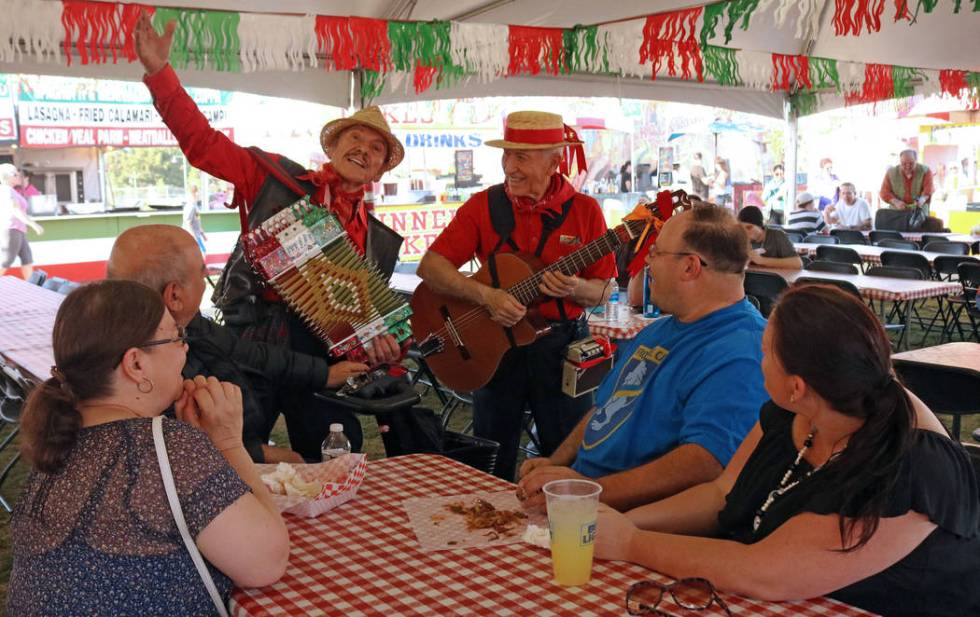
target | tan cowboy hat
[
  {"x": 534, "y": 130},
  {"x": 372, "y": 118}
]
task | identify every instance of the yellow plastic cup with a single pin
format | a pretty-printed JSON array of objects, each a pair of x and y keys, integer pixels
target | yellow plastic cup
[{"x": 572, "y": 508}]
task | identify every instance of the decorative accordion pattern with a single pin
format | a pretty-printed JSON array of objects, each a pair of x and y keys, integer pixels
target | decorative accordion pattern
[{"x": 303, "y": 252}]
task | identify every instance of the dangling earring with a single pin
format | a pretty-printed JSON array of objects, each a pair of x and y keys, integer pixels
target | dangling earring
[
  {"x": 792, "y": 398},
  {"x": 149, "y": 386}
]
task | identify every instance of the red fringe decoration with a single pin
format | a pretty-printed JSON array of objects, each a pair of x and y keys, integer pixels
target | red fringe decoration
[
  {"x": 526, "y": 44},
  {"x": 665, "y": 33},
  {"x": 334, "y": 40},
  {"x": 372, "y": 47},
  {"x": 130, "y": 13},
  {"x": 902, "y": 10},
  {"x": 572, "y": 153},
  {"x": 424, "y": 75},
  {"x": 878, "y": 85},
  {"x": 850, "y": 16},
  {"x": 953, "y": 82},
  {"x": 91, "y": 25},
  {"x": 784, "y": 67}
]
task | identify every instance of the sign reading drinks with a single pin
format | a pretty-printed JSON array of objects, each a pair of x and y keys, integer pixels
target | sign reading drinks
[
  {"x": 8, "y": 123},
  {"x": 59, "y": 112},
  {"x": 419, "y": 224}
]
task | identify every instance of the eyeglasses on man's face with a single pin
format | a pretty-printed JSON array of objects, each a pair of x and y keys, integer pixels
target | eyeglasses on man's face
[
  {"x": 180, "y": 338},
  {"x": 655, "y": 252},
  {"x": 696, "y": 594}
]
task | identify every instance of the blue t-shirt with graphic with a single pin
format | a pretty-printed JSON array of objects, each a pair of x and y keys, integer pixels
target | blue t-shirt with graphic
[{"x": 678, "y": 383}]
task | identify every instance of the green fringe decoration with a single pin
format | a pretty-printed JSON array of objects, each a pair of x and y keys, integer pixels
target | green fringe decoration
[
  {"x": 582, "y": 50},
  {"x": 902, "y": 77},
  {"x": 402, "y": 35},
  {"x": 738, "y": 11},
  {"x": 958, "y": 3},
  {"x": 973, "y": 79},
  {"x": 803, "y": 103},
  {"x": 823, "y": 73},
  {"x": 424, "y": 44},
  {"x": 209, "y": 39},
  {"x": 722, "y": 64},
  {"x": 929, "y": 5},
  {"x": 372, "y": 84},
  {"x": 449, "y": 73}
]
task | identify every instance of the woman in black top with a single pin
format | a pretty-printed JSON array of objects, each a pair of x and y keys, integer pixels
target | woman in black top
[{"x": 848, "y": 486}]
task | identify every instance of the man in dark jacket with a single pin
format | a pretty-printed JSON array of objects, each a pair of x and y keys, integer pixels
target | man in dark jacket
[{"x": 166, "y": 258}]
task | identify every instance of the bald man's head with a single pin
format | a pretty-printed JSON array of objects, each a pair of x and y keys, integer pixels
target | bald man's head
[{"x": 165, "y": 258}]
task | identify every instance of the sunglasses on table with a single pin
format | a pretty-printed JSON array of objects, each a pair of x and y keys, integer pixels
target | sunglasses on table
[{"x": 696, "y": 594}]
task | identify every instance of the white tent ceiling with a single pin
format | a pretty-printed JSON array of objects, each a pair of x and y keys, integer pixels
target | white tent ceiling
[{"x": 938, "y": 40}]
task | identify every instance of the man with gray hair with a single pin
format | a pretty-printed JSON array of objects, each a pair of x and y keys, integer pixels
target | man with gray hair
[
  {"x": 166, "y": 258},
  {"x": 907, "y": 184}
]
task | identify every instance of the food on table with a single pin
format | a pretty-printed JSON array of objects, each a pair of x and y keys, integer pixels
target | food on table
[
  {"x": 285, "y": 481},
  {"x": 483, "y": 515}
]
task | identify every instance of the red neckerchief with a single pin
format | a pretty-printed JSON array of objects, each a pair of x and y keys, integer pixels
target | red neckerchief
[
  {"x": 346, "y": 205},
  {"x": 559, "y": 191}
]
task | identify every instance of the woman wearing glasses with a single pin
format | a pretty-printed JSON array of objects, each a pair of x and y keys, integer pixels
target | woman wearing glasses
[
  {"x": 93, "y": 532},
  {"x": 848, "y": 486}
]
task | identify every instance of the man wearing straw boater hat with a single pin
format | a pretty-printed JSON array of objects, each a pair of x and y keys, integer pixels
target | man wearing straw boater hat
[
  {"x": 550, "y": 219},
  {"x": 361, "y": 148}
]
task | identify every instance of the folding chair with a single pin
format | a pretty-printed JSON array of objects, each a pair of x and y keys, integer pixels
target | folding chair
[
  {"x": 832, "y": 266},
  {"x": 821, "y": 239},
  {"x": 946, "y": 390},
  {"x": 841, "y": 255},
  {"x": 849, "y": 236},
  {"x": 878, "y": 235},
  {"x": 766, "y": 287},
  {"x": 907, "y": 260},
  {"x": 950, "y": 248},
  {"x": 901, "y": 245}
]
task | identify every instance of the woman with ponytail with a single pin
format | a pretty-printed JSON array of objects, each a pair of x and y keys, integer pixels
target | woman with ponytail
[
  {"x": 848, "y": 486},
  {"x": 93, "y": 533}
]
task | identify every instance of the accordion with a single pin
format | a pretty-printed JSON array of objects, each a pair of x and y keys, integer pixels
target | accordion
[{"x": 304, "y": 254}]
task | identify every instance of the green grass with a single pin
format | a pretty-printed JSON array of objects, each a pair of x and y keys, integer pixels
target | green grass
[{"x": 372, "y": 446}]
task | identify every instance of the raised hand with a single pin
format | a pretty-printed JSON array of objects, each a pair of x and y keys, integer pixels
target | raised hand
[{"x": 153, "y": 49}]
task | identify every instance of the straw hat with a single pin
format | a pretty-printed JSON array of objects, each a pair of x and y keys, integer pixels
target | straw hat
[
  {"x": 372, "y": 118},
  {"x": 535, "y": 130}
]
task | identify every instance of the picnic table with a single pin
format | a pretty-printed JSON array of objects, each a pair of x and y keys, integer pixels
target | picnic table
[
  {"x": 869, "y": 254},
  {"x": 26, "y": 321},
  {"x": 965, "y": 356},
  {"x": 363, "y": 559}
]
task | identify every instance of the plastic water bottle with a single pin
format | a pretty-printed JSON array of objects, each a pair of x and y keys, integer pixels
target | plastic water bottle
[
  {"x": 612, "y": 307},
  {"x": 649, "y": 308},
  {"x": 336, "y": 444}
]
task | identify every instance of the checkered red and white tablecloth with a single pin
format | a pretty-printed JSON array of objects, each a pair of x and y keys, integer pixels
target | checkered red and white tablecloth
[
  {"x": 27, "y": 315},
  {"x": 363, "y": 559},
  {"x": 621, "y": 329}
]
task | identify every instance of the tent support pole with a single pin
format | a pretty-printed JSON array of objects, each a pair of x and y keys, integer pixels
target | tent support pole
[{"x": 790, "y": 164}]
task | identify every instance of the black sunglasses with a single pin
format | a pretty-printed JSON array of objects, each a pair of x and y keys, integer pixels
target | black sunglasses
[{"x": 697, "y": 594}]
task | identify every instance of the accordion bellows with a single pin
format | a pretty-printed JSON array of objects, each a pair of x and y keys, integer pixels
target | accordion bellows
[{"x": 304, "y": 254}]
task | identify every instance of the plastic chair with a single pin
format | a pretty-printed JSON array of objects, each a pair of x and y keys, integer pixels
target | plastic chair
[
  {"x": 821, "y": 239},
  {"x": 907, "y": 260},
  {"x": 878, "y": 235},
  {"x": 950, "y": 248},
  {"x": 927, "y": 238},
  {"x": 895, "y": 272},
  {"x": 766, "y": 287},
  {"x": 54, "y": 283},
  {"x": 832, "y": 266},
  {"x": 945, "y": 266},
  {"x": 37, "y": 277},
  {"x": 840, "y": 254},
  {"x": 847, "y": 286},
  {"x": 969, "y": 275},
  {"x": 849, "y": 236},
  {"x": 946, "y": 390},
  {"x": 901, "y": 245}
]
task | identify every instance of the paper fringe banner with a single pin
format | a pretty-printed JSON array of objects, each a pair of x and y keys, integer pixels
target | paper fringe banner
[
  {"x": 621, "y": 47},
  {"x": 99, "y": 31},
  {"x": 737, "y": 10},
  {"x": 39, "y": 26},
  {"x": 851, "y": 16},
  {"x": 585, "y": 51},
  {"x": 274, "y": 42},
  {"x": 721, "y": 63},
  {"x": 208, "y": 39},
  {"x": 372, "y": 48},
  {"x": 335, "y": 41},
  {"x": 532, "y": 49},
  {"x": 480, "y": 48},
  {"x": 755, "y": 68},
  {"x": 668, "y": 35},
  {"x": 790, "y": 70}
]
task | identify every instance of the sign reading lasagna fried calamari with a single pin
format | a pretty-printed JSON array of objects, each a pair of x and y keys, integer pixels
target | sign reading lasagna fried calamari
[{"x": 58, "y": 112}]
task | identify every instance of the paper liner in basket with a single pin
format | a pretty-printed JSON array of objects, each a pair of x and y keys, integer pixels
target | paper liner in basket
[{"x": 351, "y": 467}]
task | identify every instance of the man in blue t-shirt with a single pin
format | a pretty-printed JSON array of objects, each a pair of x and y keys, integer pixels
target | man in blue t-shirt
[{"x": 686, "y": 390}]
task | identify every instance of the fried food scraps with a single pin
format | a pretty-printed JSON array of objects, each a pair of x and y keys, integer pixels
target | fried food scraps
[{"x": 483, "y": 515}]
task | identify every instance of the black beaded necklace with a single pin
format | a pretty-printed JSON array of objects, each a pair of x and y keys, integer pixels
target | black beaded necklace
[{"x": 785, "y": 485}]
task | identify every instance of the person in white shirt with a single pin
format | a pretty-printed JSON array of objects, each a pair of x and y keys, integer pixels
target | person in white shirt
[
  {"x": 851, "y": 212},
  {"x": 805, "y": 219}
]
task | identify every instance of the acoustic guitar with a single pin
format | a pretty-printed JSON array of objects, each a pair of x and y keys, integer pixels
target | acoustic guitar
[{"x": 457, "y": 338}]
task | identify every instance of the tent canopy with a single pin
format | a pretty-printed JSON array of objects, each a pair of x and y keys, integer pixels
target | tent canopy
[{"x": 937, "y": 40}]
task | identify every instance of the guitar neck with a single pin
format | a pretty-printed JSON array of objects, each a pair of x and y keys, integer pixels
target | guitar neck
[{"x": 526, "y": 291}]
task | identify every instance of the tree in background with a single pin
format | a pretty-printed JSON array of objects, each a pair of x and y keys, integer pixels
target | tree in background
[{"x": 138, "y": 176}]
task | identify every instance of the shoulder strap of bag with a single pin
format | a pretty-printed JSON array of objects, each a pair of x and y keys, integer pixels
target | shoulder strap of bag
[{"x": 168, "y": 484}]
